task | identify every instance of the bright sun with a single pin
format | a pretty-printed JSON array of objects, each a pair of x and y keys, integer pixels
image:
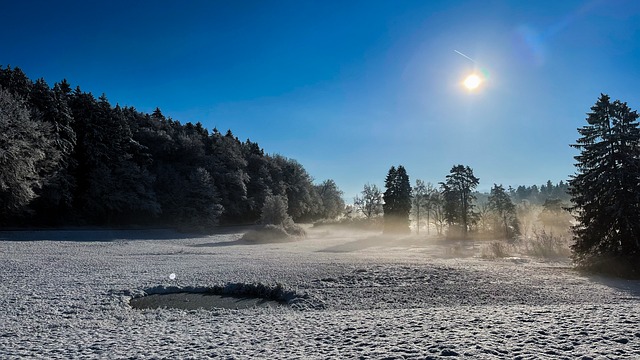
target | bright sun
[{"x": 472, "y": 81}]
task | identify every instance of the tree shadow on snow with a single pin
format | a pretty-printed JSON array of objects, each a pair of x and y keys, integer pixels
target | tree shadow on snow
[
  {"x": 376, "y": 241},
  {"x": 240, "y": 242},
  {"x": 224, "y": 243},
  {"x": 630, "y": 287},
  {"x": 85, "y": 235}
]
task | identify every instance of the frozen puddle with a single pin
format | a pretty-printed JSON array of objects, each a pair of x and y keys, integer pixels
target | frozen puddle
[
  {"x": 194, "y": 301},
  {"x": 230, "y": 296}
]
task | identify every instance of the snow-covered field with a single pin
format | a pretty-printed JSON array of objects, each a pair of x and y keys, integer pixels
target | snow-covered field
[{"x": 369, "y": 297}]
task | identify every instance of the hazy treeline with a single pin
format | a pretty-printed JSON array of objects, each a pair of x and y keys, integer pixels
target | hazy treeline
[
  {"x": 454, "y": 207},
  {"x": 539, "y": 194},
  {"x": 67, "y": 158}
]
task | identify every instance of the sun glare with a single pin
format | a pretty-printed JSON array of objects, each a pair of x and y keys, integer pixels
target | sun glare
[{"x": 472, "y": 81}]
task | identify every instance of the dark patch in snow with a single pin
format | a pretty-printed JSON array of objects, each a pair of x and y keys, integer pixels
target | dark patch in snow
[
  {"x": 230, "y": 296},
  {"x": 205, "y": 301}
]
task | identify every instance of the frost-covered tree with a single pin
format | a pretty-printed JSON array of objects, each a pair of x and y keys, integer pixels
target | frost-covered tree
[
  {"x": 114, "y": 184},
  {"x": 505, "y": 210},
  {"x": 202, "y": 200},
  {"x": 227, "y": 165},
  {"x": 422, "y": 203},
  {"x": 16, "y": 82},
  {"x": 370, "y": 203},
  {"x": 397, "y": 201},
  {"x": 604, "y": 190},
  {"x": 330, "y": 195},
  {"x": 458, "y": 196},
  {"x": 439, "y": 218},
  {"x": 191, "y": 201},
  {"x": 274, "y": 210},
  {"x": 417, "y": 204},
  {"x": 25, "y": 154},
  {"x": 50, "y": 106},
  {"x": 259, "y": 179},
  {"x": 290, "y": 178}
]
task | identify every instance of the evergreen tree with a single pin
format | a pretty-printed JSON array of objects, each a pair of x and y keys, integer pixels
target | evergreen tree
[
  {"x": 458, "y": 197},
  {"x": 505, "y": 210},
  {"x": 55, "y": 203},
  {"x": 259, "y": 179},
  {"x": 16, "y": 82},
  {"x": 397, "y": 201},
  {"x": 202, "y": 198},
  {"x": 227, "y": 165},
  {"x": 113, "y": 181},
  {"x": 604, "y": 190}
]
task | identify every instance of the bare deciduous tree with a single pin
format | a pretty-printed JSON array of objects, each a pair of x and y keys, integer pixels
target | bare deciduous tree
[{"x": 370, "y": 204}]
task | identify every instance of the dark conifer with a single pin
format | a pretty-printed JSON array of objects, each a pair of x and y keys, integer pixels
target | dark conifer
[
  {"x": 505, "y": 210},
  {"x": 397, "y": 201},
  {"x": 604, "y": 190},
  {"x": 459, "y": 198}
]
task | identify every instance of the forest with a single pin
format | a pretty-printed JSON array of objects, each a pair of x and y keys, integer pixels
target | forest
[{"x": 69, "y": 159}]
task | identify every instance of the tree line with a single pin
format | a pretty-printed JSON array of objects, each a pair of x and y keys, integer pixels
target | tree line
[
  {"x": 455, "y": 208},
  {"x": 67, "y": 158}
]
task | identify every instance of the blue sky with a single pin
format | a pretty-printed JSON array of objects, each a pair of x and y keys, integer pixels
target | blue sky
[{"x": 350, "y": 88}]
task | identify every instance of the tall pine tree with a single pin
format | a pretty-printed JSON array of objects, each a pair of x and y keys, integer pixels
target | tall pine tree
[
  {"x": 604, "y": 189},
  {"x": 458, "y": 197},
  {"x": 397, "y": 201}
]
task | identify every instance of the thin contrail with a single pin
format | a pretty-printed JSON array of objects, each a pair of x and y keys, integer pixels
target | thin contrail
[{"x": 458, "y": 52}]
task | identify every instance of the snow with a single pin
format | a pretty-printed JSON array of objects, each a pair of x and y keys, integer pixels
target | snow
[{"x": 369, "y": 297}]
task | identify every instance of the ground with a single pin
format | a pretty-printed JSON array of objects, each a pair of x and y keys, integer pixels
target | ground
[{"x": 66, "y": 295}]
